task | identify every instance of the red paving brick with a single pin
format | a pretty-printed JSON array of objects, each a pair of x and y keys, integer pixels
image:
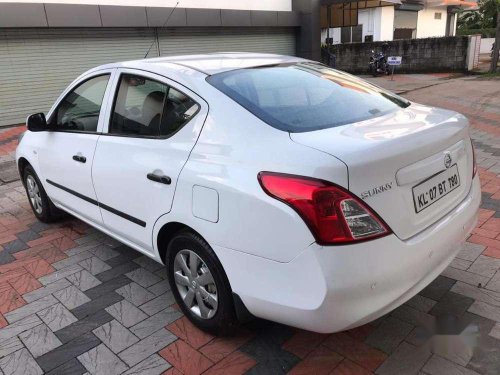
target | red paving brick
[
  {"x": 221, "y": 347},
  {"x": 39, "y": 268},
  {"x": 186, "y": 331},
  {"x": 320, "y": 361},
  {"x": 303, "y": 342},
  {"x": 25, "y": 283},
  {"x": 185, "y": 358},
  {"x": 9, "y": 299},
  {"x": 235, "y": 364},
  {"x": 348, "y": 367},
  {"x": 357, "y": 351}
]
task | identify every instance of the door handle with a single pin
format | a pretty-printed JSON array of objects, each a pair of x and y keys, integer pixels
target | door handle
[
  {"x": 161, "y": 179},
  {"x": 79, "y": 158}
]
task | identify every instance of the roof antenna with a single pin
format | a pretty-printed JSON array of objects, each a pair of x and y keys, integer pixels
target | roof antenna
[{"x": 165, "y": 24}]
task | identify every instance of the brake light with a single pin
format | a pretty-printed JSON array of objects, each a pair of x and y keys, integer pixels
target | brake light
[
  {"x": 333, "y": 214},
  {"x": 474, "y": 164}
]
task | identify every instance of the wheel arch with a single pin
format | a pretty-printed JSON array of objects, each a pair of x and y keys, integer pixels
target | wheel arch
[
  {"x": 165, "y": 235},
  {"x": 22, "y": 163}
]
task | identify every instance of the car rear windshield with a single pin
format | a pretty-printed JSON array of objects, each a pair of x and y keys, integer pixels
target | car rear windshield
[{"x": 304, "y": 97}]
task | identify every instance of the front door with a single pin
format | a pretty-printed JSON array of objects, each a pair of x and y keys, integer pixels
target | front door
[
  {"x": 67, "y": 149},
  {"x": 153, "y": 126}
]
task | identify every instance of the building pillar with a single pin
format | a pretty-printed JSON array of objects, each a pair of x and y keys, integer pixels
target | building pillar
[{"x": 309, "y": 34}]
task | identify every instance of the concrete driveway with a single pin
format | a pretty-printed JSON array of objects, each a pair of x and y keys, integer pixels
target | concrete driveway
[{"x": 73, "y": 300}]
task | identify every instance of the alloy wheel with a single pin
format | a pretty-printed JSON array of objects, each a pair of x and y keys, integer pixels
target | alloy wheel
[
  {"x": 34, "y": 194},
  {"x": 195, "y": 284}
]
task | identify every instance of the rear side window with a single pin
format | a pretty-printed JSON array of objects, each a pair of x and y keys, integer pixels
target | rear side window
[
  {"x": 306, "y": 96},
  {"x": 148, "y": 108},
  {"x": 79, "y": 110}
]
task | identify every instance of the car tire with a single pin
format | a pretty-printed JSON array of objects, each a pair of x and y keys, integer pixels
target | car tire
[
  {"x": 185, "y": 247},
  {"x": 40, "y": 203}
]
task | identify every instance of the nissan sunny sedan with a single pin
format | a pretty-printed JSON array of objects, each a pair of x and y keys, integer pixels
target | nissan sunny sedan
[{"x": 270, "y": 186}]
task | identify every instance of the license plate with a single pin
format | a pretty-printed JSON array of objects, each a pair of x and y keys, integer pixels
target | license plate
[{"x": 435, "y": 188}]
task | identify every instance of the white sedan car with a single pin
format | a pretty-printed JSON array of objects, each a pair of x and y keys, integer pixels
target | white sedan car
[{"x": 269, "y": 185}]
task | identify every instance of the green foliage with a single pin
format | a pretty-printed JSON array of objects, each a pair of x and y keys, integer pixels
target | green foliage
[
  {"x": 485, "y": 33},
  {"x": 485, "y": 17}
]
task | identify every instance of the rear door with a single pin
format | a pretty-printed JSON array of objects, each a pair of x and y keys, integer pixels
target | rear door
[
  {"x": 152, "y": 127},
  {"x": 67, "y": 150}
]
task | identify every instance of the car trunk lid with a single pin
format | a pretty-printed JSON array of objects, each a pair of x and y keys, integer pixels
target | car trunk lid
[{"x": 411, "y": 166}]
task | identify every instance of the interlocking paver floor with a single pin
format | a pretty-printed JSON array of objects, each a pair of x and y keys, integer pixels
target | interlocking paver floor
[{"x": 73, "y": 300}]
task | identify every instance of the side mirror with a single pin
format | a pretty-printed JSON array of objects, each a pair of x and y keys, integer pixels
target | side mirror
[{"x": 36, "y": 122}]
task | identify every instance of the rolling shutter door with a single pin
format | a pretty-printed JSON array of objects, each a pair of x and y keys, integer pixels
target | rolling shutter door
[
  {"x": 36, "y": 65},
  {"x": 213, "y": 39}
]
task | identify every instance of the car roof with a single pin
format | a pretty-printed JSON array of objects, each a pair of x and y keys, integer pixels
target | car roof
[{"x": 212, "y": 63}]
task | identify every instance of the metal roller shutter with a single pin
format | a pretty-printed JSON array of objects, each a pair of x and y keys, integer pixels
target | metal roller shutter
[
  {"x": 37, "y": 64},
  {"x": 206, "y": 40}
]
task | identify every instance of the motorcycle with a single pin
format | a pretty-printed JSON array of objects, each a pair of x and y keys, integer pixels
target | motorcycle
[{"x": 378, "y": 62}]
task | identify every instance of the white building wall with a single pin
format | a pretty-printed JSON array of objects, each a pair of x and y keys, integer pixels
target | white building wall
[
  {"x": 428, "y": 26},
  {"x": 276, "y": 5},
  {"x": 366, "y": 17},
  {"x": 383, "y": 23}
]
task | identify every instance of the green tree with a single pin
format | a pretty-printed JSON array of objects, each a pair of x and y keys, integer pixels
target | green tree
[{"x": 485, "y": 17}]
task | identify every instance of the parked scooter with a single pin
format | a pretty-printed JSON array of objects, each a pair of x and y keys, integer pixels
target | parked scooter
[{"x": 378, "y": 61}]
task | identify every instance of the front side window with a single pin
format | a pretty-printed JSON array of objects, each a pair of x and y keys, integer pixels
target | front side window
[
  {"x": 79, "y": 110},
  {"x": 147, "y": 108},
  {"x": 305, "y": 96}
]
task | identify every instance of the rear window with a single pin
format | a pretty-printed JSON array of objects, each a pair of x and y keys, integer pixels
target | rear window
[{"x": 306, "y": 96}]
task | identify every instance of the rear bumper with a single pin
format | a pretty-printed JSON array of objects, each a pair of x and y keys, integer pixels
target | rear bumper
[{"x": 329, "y": 289}]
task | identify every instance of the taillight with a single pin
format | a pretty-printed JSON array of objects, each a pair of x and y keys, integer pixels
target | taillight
[
  {"x": 333, "y": 214},
  {"x": 474, "y": 165}
]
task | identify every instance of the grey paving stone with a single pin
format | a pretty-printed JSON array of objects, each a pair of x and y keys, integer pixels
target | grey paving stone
[
  {"x": 94, "y": 265},
  {"x": 30, "y": 308},
  {"x": 471, "y": 251},
  {"x": 57, "y": 317},
  {"x": 437, "y": 288},
  {"x": 480, "y": 294},
  {"x": 20, "y": 363},
  {"x": 153, "y": 365},
  {"x": 126, "y": 313},
  {"x": 485, "y": 266},
  {"x": 96, "y": 304},
  {"x": 159, "y": 288},
  {"x": 461, "y": 264},
  {"x": 68, "y": 351},
  {"x": 94, "y": 238},
  {"x": 80, "y": 249},
  {"x": 439, "y": 366},
  {"x": 60, "y": 274},
  {"x": 14, "y": 246},
  {"x": 421, "y": 303},
  {"x": 102, "y": 361},
  {"x": 494, "y": 283},
  {"x": 485, "y": 310},
  {"x": 120, "y": 266},
  {"x": 27, "y": 235},
  {"x": 71, "y": 297},
  {"x": 143, "y": 277},
  {"x": 72, "y": 367},
  {"x": 155, "y": 322},
  {"x": 107, "y": 287},
  {"x": 159, "y": 303},
  {"x": 72, "y": 260},
  {"x": 147, "y": 263},
  {"x": 464, "y": 276},
  {"x": 495, "y": 332},
  {"x": 83, "y": 326},
  {"x": 115, "y": 336},
  {"x": 20, "y": 326},
  {"x": 163, "y": 273},
  {"x": 104, "y": 252},
  {"x": 46, "y": 290},
  {"x": 406, "y": 359},
  {"x": 452, "y": 304},
  {"x": 39, "y": 340},
  {"x": 147, "y": 347},
  {"x": 135, "y": 294},
  {"x": 10, "y": 345},
  {"x": 83, "y": 280},
  {"x": 389, "y": 334},
  {"x": 414, "y": 317}
]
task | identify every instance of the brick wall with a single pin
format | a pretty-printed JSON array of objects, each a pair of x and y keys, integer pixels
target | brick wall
[{"x": 445, "y": 54}]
